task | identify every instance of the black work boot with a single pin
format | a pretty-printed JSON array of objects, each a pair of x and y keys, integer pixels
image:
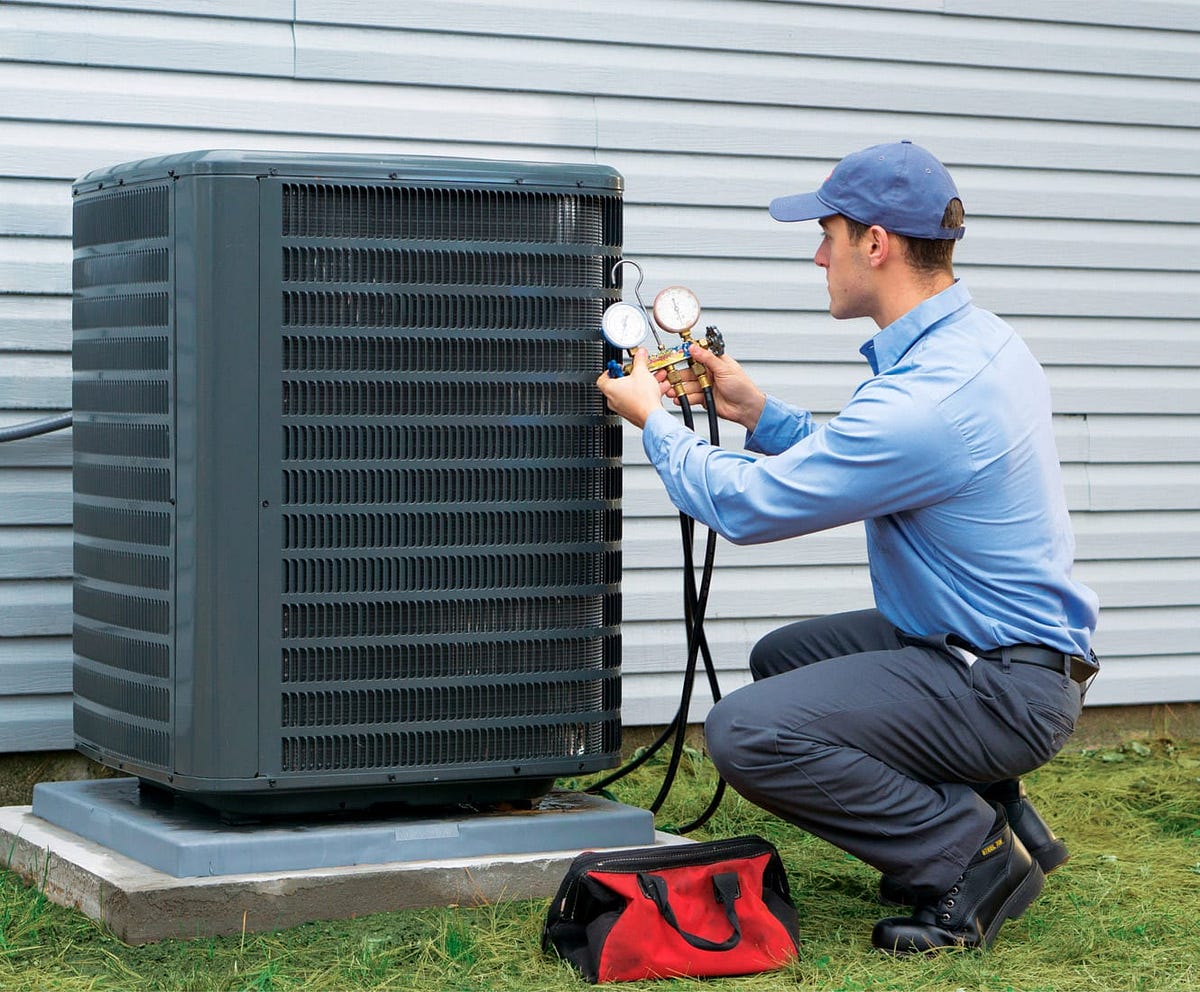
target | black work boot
[
  {"x": 1038, "y": 838},
  {"x": 998, "y": 884}
]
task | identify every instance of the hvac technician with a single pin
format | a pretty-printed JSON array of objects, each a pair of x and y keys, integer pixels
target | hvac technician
[{"x": 899, "y": 733}]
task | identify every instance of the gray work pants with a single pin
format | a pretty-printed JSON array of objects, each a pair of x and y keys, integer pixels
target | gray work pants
[{"x": 875, "y": 740}]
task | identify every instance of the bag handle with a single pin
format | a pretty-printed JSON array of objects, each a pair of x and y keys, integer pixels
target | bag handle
[{"x": 726, "y": 889}]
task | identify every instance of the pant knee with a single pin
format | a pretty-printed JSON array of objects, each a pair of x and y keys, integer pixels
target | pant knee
[
  {"x": 731, "y": 740},
  {"x": 718, "y": 736},
  {"x": 737, "y": 745},
  {"x": 759, "y": 666},
  {"x": 766, "y": 658}
]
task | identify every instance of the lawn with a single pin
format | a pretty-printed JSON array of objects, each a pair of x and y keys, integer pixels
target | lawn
[{"x": 1122, "y": 914}]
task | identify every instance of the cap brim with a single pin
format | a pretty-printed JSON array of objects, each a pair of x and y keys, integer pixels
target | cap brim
[{"x": 802, "y": 206}]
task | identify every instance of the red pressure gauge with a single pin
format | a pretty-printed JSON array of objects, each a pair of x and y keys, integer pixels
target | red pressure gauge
[{"x": 676, "y": 309}]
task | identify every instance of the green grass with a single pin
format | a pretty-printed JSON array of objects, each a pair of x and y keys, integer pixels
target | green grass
[{"x": 1123, "y": 914}]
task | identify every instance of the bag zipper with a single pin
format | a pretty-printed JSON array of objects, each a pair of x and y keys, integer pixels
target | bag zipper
[
  {"x": 671, "y": 857},
  {"x": 678, "y": 856}
]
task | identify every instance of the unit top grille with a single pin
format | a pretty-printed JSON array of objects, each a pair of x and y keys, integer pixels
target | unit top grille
[{"x": 327, "y": 210}]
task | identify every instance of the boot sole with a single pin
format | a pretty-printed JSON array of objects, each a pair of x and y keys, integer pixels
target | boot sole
[{"x": 1016, "y": 904}]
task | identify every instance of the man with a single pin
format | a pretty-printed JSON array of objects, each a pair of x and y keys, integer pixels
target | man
[{"x": 899, "y": 733}]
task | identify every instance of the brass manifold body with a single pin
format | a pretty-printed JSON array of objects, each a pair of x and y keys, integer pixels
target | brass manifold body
[{"x": 673, "y": 359}]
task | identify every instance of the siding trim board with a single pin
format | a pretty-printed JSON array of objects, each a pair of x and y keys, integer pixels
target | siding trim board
[{"x": 1070, "y": 125}]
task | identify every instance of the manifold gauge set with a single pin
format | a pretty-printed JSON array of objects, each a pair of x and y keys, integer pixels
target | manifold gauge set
[
  {"x": 626, "y": 326},
  {"x": 676, "y": 310}
]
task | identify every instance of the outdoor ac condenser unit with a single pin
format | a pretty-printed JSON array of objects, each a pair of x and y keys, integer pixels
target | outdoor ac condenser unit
[{"x": 347, "y": 501}]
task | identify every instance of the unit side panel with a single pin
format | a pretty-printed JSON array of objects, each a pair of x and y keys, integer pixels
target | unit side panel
[
  {"x": 270, "y": 472},
  {"x": 218, "y": 622}
]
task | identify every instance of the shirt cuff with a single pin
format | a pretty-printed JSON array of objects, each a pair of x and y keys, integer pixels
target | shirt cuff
[
  {"x": 779, "y": 427},
  {"x": 654, "y": 432}
]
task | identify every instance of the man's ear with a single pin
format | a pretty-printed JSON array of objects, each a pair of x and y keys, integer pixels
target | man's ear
[{"x": 879, "y": 245}]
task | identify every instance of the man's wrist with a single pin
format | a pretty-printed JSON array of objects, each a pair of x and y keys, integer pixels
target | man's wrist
[
  {"x": 754, "y": 414},
  {"x": 639, "y": 415}
]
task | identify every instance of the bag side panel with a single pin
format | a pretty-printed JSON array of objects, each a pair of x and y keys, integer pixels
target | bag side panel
[
  {"x": 641, "y": 944},
  {"x": 579, "y": 921}
]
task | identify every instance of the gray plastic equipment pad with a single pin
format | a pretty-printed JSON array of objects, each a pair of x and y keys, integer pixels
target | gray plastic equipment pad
[{"x": 186, "y": 840}]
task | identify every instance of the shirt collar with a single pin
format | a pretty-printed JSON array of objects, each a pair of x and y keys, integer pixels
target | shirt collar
[{"x": 887, "y": 347}]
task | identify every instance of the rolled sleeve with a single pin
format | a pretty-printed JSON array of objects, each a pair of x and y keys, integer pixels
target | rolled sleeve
[{"x": 780, "y": 426}]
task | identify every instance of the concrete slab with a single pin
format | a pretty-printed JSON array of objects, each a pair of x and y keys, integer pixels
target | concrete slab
[
  {"x": 140, "y": 904},
  {"x": 182, "y": 838}
]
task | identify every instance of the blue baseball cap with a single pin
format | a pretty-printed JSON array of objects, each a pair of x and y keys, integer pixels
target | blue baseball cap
[{"x": 900, "y": 186}]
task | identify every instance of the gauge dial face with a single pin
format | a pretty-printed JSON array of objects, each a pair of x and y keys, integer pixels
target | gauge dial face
[
  {"x": 624, "y": 325},
  {"x": 676, "y": 309}
]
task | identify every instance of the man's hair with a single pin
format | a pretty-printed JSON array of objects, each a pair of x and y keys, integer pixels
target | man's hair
[{"x": 928, "y": 256}]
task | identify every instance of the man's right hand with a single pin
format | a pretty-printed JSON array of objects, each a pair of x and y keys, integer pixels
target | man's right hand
[{"x": 738, "y": 399}]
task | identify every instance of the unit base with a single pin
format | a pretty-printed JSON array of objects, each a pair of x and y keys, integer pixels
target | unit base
[
  {"x": 139, "y": 904},
  {"x": 183, "y": 839}
]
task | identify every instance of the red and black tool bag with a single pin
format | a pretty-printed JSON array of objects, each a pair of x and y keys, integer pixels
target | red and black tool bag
[{"x": 715, "y": 908}]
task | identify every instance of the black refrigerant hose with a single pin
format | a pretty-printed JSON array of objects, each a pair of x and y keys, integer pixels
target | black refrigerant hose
[
  {"x": 31, "y": 428},
  {"x": 695, "y": 606},
  {"x": 695, "y": 602}
]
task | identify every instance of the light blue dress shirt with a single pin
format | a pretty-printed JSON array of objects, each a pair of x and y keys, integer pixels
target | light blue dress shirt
[{"x": 947, "y": 453}]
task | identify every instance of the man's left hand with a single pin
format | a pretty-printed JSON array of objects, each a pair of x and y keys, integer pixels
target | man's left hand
[{"x": 635, "y": 396}]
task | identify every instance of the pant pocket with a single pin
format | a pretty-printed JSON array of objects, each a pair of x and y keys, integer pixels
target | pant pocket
[{"x": 1050, "y": 727}]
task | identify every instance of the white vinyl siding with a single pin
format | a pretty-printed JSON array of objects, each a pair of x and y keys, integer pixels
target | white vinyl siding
[{"x": 1071, "y": 126}]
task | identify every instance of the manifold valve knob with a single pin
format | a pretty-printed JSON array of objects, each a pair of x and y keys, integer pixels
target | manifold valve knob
[{"x": 715, "y": 340}]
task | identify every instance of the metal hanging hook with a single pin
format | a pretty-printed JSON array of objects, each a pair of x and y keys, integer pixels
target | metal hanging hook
[
  {"x": 628, "y": 261},
  {"x": 637, "y": 295}
]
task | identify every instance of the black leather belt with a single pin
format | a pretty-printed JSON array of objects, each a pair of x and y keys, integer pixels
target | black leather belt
[{"x": 1079, "y": 668}]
